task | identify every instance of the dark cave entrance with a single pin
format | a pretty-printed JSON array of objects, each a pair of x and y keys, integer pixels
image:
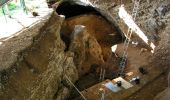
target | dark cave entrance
[{"x": 70, "y": 9}]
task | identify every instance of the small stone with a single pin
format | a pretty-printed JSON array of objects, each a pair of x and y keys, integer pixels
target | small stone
[
  {"x": 14, "y": 70},
  {"x": 162, "y": 48},
  {"x": 162, "y": 9},
  {"x": 154, "y": 13},
  {"x": 163, "y": 58},
  {"x": 32, "y": 70},
  {"x": 1, "y": 86},
  {"x": 5, "y": 77}
]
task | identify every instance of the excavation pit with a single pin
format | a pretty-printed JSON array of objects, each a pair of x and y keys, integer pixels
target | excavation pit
[
  {"x": 47, "y": 59},
  {"x": 106, "y": 35}
]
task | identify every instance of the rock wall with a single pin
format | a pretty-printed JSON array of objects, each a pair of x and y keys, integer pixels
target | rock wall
[
  {"x": 161, "y": 13},
  {"x": 40, "y": 71}
]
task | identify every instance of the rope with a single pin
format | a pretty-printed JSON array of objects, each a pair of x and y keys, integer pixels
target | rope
[{"x": 75, "y": 87}]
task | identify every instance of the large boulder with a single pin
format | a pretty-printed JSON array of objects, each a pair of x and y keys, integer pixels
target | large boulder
[{"x": 86, "y": 49}]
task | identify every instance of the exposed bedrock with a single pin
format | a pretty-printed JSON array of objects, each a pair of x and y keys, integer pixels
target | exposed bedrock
[
  {"x": 40, "y": 70},
  {"x": 86, "y": 49}
]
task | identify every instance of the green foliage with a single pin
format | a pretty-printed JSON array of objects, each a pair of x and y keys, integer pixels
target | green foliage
[{"x": 12, "y": 6}]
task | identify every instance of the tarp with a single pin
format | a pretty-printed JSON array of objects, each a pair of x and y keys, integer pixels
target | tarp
[
  {"x": 112, "y": 87},
  {"x": 3, "y": 2}
]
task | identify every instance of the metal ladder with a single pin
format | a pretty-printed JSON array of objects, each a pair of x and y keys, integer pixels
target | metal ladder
[
  {"x": 127, "y": 40},
  {"x": 102, "y": 74}
]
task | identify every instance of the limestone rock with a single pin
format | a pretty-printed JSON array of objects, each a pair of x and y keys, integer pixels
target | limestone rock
[
  {"x": 85, "y": 48},
  {"x": 78, "y": 45}
]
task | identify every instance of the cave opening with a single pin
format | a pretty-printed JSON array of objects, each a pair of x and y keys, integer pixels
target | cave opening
[
  {"x": 102, "y": 35},
  {"x": 78, "y": 9},
  {"x": 70, "y": 9}
]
